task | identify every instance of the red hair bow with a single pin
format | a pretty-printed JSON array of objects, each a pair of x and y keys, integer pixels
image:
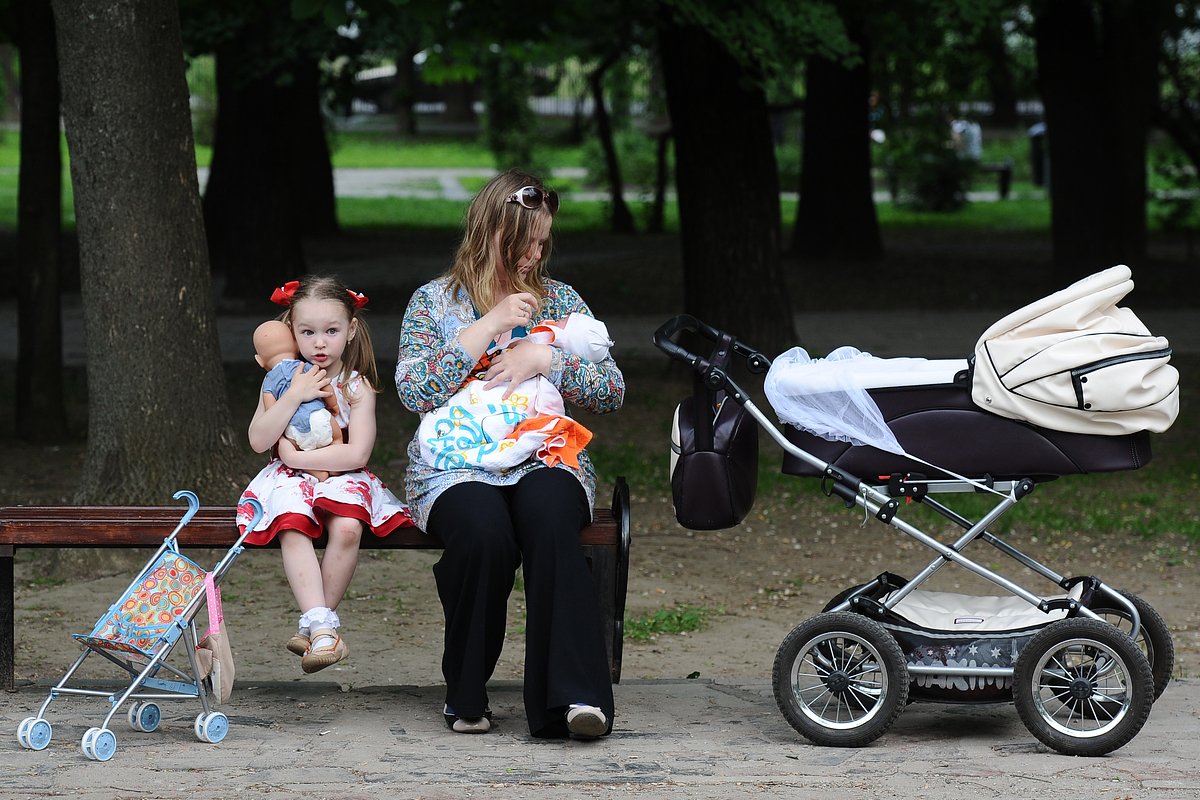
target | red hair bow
[
  {"x": 283, "y": 295},
  {"x": 359, "y": 299}
]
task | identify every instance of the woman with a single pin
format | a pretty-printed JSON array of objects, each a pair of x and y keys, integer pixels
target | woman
[{"x": 494, "y": 520}]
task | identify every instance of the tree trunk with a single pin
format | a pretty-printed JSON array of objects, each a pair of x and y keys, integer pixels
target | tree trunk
[
  {"x": 404, "y": 93},
  {"x": 147, "y": 298},
  {"x": 622, "y": 219},
  {"x": 728, "y": 187},
  {"x": 40, "y": 411},
  {"x": 1097, "y": 75},
  {"x": 836, "y": 214},
  {"x": 269, "y": 155}
]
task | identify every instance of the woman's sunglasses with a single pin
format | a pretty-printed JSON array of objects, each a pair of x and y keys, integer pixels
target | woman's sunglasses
[{"x": 533, "y": 198}]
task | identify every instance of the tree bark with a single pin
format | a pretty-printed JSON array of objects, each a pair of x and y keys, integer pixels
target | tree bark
[
  {"x": 728, "y": 187},
  {"x": 1097, "y": 69},
  {"x": 40, "y": 410},
  {"x": 147, "y": 297},
  {"x": 835, "y": 217},
  {"x": 622, "y": 219}
]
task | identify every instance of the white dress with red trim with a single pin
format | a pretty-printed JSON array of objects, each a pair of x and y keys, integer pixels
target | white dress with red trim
[{"x": 294, "y": 500}]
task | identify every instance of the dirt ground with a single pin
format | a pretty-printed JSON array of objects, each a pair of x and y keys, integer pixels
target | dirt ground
[{"x": 756, "y": 581}]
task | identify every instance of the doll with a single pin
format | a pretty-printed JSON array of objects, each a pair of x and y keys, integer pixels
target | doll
[{"x": 314, "y": 424}]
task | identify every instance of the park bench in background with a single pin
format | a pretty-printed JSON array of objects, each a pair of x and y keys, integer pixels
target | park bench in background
[
  {"x": 605, "y": 543},
  {"x": 1003, "y": 170}
]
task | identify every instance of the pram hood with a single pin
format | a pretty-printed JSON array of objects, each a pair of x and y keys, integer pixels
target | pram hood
[{"x": 1076, "y": 361}]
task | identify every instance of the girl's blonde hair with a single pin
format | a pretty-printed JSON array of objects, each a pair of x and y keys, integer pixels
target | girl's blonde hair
[
  {"x": 359, "y": 355},
  {"x": 478, "y": 261}
]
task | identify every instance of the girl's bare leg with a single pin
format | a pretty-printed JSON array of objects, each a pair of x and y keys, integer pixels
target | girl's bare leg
[
  {"x": 302, "y": 569},
  {"x": 341, "y": 558}
]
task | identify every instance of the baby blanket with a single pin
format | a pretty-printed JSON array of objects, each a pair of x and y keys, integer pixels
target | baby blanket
[{"x": 479, "y": 428}]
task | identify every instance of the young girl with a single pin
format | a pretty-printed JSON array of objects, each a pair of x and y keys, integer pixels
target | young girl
[{"x": 324, "y": 317}]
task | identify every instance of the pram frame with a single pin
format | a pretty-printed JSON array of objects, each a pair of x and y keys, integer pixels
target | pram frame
[
  {"x": 883, "y": 501},
  {"x": 210, "y": 725}
]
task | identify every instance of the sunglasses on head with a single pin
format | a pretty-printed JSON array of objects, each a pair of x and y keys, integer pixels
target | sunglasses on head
[{"x": 533, "y": 198}]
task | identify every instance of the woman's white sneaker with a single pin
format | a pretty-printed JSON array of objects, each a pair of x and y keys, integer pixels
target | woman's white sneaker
[{"x": 586, "y": 722}]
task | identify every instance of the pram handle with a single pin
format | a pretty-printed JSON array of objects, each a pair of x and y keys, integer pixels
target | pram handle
[{"x": 664, "y": 337}]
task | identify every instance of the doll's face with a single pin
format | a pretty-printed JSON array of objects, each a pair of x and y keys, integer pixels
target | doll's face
[{"x": 322, "y": 329}]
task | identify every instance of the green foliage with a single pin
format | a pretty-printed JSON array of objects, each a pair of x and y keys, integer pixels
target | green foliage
[
  {"x": 931, "y": 176},
  {"x": 677, "y": 620},
  {"x": 1176, "y": 202}
]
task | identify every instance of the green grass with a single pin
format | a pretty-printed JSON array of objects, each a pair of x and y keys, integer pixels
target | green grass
[{"x": 665, "y": 621}]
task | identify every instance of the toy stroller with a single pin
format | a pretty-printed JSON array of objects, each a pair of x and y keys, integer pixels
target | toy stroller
[
  {"x": 1083, "y": 665},
  {"x": 138, "y": 633}
]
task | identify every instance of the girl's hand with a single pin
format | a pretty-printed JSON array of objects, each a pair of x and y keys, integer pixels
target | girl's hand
[
  {"x": 513, "y": 311},
  {"x": 310, "y": 385},
  {"x": 517, "y": 364}
]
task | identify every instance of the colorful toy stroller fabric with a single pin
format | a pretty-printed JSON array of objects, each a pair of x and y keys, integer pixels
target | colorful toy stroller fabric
[{"x": 141, "y": 622}]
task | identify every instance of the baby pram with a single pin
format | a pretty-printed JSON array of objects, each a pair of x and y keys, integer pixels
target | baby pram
[
  {"x": 1083, "y": 665},
  {"x": 138, "y": 634}
]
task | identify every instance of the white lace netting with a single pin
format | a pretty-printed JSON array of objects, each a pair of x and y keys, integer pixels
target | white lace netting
[{"x": 825, "y": 396}]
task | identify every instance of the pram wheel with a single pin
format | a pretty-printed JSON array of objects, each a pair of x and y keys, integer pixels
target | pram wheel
[
  {"x": 99, "y": 744},
  {"x": 1083, "y": 687},
  {"x": 144, "y": 717},
  {"x": 840, "y": 679},
  {"x": 1154, "y": 637},
  {"x": 211, "y": 727},
  {"x": 34, "y": 733}
]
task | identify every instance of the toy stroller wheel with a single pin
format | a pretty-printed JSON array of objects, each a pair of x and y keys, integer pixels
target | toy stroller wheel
[
  {"x": 198, "y": 726},
  {"x": 1082, "y": 687},
  {"x": 131, "y": 715},
  {"x": 104, "y": 744},
  {"x": 149, "y": 715},
  {"x": 34, "y": 733},
  {"x": 1153, "y": 639},
  {"x": 840, "y": 679},
  {"x": 86, "y": 743},
  {"x": 212, "y": 727},
  {"x": 22, "y": 729}
]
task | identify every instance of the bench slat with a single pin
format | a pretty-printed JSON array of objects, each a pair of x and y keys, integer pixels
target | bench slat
[{"x": 147, "y": 526}]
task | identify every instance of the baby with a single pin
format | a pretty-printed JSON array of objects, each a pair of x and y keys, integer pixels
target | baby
[
  {"x": 314, "y": 424},
  {"x": 480, "y": 428}
]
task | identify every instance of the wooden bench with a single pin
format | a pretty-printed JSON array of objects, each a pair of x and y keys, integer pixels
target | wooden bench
[
  {"x": 605, "y": 544},
  {"x": 1004, "y": 171}
]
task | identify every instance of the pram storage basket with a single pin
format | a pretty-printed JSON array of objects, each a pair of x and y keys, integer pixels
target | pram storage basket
[{"x": 1082, "y": 664}]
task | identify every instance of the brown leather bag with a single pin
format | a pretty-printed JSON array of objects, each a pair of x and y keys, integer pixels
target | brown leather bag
[{"x": 714, "y": 458}]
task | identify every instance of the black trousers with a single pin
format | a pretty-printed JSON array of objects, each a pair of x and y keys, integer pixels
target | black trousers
[{"x": 488, "y": 532}]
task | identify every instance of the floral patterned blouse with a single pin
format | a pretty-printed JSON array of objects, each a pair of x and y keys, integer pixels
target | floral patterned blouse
[{"x": 432, "y": 365}]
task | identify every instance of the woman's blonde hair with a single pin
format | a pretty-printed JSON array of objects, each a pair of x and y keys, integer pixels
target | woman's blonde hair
[
  {"x": 359, "y": 355},
  {"x": 479, "y": 261}
]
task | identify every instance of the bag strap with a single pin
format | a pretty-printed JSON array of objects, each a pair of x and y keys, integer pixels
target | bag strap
[
  {"x": 707, "y": 402},
  {"x": 216, "y": 614}
]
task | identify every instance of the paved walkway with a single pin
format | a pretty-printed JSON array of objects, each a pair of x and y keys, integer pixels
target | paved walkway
[{"x": 699, "y": 740}]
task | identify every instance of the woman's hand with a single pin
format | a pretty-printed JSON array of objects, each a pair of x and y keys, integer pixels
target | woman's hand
[
  {"x": 517, "y": 364},
  {"x": 513, "y": 311}
]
